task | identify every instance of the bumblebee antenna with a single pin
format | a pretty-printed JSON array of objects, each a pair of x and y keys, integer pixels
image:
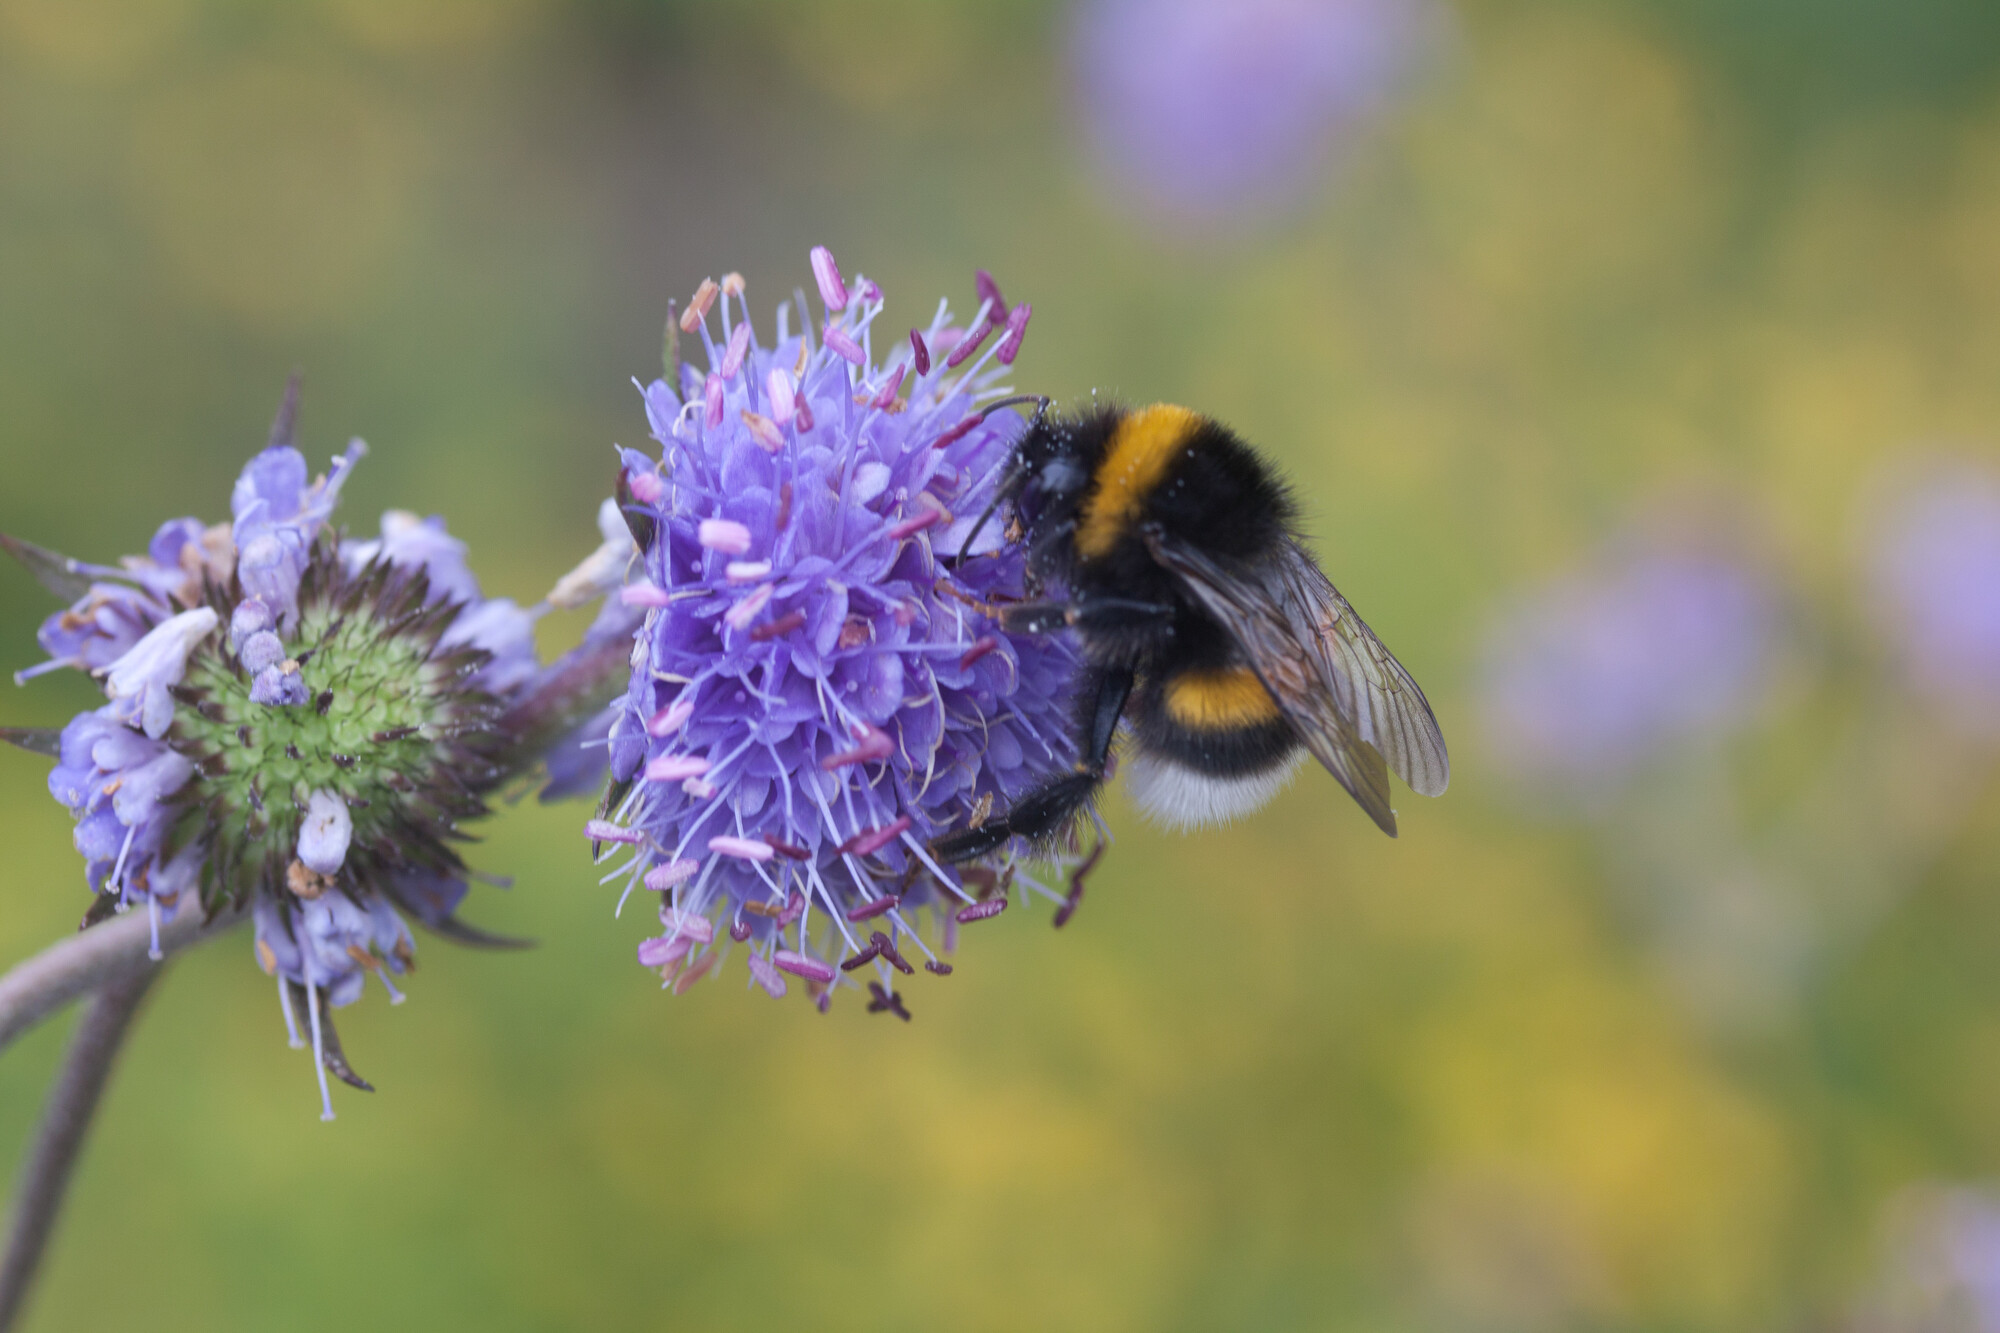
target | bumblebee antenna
[{"x": 1015, "y": 471}]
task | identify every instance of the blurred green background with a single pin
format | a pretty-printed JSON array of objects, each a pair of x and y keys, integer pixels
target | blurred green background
[{"x": 1289, "y": 1075}]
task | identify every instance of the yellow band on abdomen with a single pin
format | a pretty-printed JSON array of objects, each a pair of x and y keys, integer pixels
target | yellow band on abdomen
[{"x": 1220, "y": 700}]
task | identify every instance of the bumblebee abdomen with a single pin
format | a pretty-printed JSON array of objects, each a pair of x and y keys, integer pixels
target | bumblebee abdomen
[
  {"x": 1220, "y": 721},
  {"x": 1209, "y": 744}
]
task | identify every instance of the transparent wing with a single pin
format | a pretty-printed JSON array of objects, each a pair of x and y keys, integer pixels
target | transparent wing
[
  {"x": 1354, "y": 705},
  {"x": 1391, "y": 712}
]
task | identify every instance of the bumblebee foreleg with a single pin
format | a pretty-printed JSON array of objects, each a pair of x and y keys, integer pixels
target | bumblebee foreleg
[{"x": 1048, "y": 809}]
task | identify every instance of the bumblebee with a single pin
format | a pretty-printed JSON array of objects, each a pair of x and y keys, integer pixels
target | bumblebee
[{"x": 1203, "y": 620}]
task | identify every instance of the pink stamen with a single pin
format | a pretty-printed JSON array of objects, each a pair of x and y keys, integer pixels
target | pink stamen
[
  {"x": 676, "y": 768},
  {"x": 827, "y": 274},
  {"x": 671, "y": 718},
  {"x": 712, "y": 400},
  {"x": 762, "y": 973},
  {"x": 888, "y": 394},
  {"x": 915, "y": 524},
  {"x": 958, "y": 430},
  {"x": 936, "y": 968},
  {"x": 699, "y": 305},
  {"x": 699, "y": 788},
  {"x": 896, "y": 960},
  {"x": 843, "y": 346},
  {"x": 764, "y": 430},
  {"x": 785, "y": 849},
  {"x": 874, "y": 840},
  {"x": 1017, "y": 329},
  {"x": 661, "y": 878},
  {"x": 746, "y": 571},
  {"x": 739, "y": 930},
  {"x": 685, "y": 981},
  {"x": 646, "y": 487},
  {"x": 644, "y": 594},
  {"x": 792, "y": 911},
  {"x": 723, "y": 535},
  {"x": 886, "y": 1002},
  {"x": 688, "y": 925},
  {"x": 733, "y": 284},
  {"x": 989, "y": 290},
  {"x": 921, "y": 352},
  {"x": 973, "y": 338},
  {"x": 783, "y": 402},
  {"x": 603, "y": 830},
  {"x": 744, "y": 849},
  {"x": 801, "y": 966},
  {"x": 664, "y": 950},
  {"x": 740, "y": 615},
  {"x": 783, "y": 625},
  {"x": 869, "y": 291},
  {"x": 980, "y": 911},
  {"x": 875, "y": 745},
  {"x": 738, "y": 348},
  {"x": 804, "y": 420},
  {"x": 981, "y": 646},
  {"x": 861, "y": 959},
  {"x": 874, "y": 908}
]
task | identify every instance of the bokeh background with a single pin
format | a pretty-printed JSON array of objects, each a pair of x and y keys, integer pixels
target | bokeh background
[{"x": 1637, "y": 363}]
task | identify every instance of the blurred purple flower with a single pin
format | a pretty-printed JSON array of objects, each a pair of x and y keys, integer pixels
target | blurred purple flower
[
  {"x": 814, "y": 696},
  {"x": 1942, "y": 1268},
  {"x": 1588, "y": 678},
  {"x": 1219, "y": 109},
  {"x": 1936, "y": 575},
  {"x": 306, "y": 730}
]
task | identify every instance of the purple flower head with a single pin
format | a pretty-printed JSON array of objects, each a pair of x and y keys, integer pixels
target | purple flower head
[
  {"x": 1591, "y": 676},
  {"x": 1936, "y": 576},
  {"x": 1219, "y": 109},
  {"x": 308, "y": 735},
  {"x": 815, "y": 694},
  {"x": 1942, "y": 1266}
]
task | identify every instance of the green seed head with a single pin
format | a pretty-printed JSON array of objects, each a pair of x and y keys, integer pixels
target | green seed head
[{"x": 390, "y": 723}]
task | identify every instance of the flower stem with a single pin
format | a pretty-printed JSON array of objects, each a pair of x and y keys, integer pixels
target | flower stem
[
  {"x": 92, "y": 958},
  {"x": 45, "y": 1174}
]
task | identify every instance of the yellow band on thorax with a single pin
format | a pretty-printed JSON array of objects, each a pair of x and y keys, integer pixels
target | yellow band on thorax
[
  {"x": 1136, "y": 457},
  {"x": 1219, "y": 700}
]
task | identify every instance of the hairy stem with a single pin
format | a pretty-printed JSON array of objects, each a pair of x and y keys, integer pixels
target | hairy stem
[
  {"x": 93, "y": 958},
  {"x": 45, "y": 1174}
]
